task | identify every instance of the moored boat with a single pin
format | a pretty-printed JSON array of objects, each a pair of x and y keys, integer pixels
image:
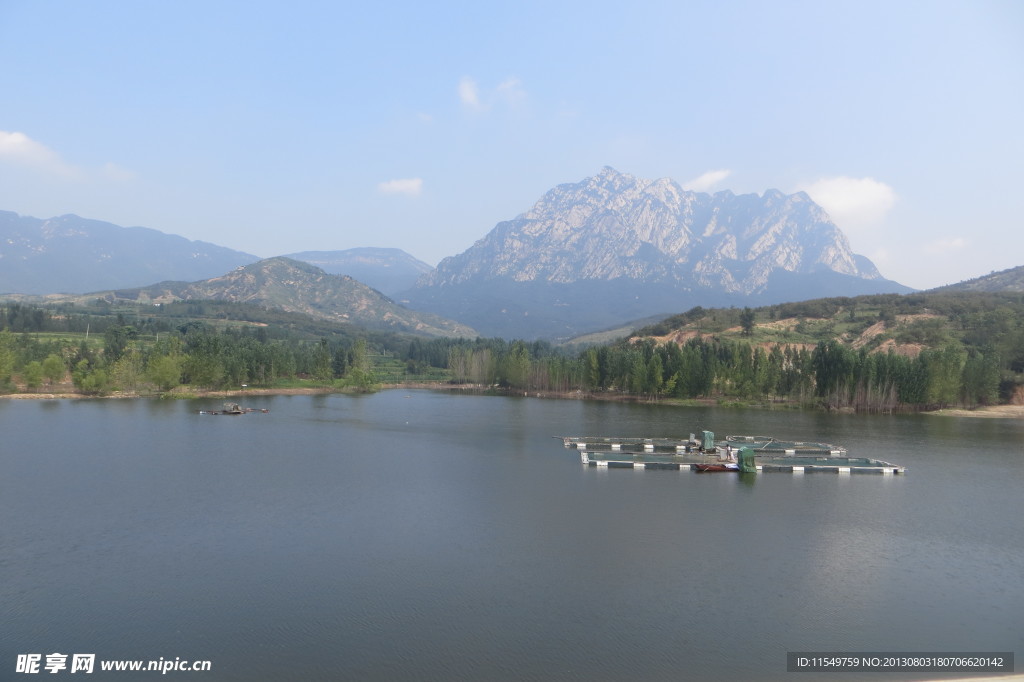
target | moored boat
[
  {"x": 725, "y": 466},
  {"x": 235, "y": 408}
]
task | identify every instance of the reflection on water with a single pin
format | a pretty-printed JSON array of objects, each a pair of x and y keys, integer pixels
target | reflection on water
[{"x": 421, "y": 535}]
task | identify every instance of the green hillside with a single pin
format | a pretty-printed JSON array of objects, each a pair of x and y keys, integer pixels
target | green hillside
[
  {"x": 1008, "y": 280},
  {"x": 905, "y": 345},
  {"x": 906, "y": 324},
  {"x": 101, "y": 347},
  {"x": 871, "y": 353},
  {"x": 279, "y": 284}
]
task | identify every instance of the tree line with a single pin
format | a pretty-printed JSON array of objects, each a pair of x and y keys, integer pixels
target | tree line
[
  {"x": 829, "y": 374},
  {"x": 195, "y": 354},
  {"x": 981, "y": 364}
]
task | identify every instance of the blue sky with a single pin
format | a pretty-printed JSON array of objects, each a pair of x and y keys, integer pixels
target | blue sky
[{"x": 279, "y": 127}]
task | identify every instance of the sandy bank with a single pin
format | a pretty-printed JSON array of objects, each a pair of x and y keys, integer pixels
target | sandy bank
[{"x": 993, "y": 412}]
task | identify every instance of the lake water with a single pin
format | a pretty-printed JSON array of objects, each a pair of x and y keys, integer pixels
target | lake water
[{"x": 428, "y": 536}]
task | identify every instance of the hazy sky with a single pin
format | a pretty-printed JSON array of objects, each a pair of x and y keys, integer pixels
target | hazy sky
[{"x": 278, "y": 127}]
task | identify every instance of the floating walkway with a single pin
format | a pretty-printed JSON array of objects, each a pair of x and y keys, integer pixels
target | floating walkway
[
  {"x": 693, "y": 454},
  {"x": 759, "y": 444}
]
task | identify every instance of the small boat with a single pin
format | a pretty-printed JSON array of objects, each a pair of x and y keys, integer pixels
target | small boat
[
  {"x": 235, "y": 408},
  {"x": 724, "y": 466}
]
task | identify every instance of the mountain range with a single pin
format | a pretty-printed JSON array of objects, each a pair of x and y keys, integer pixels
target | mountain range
[
  {"x": 72, "y": 254},
  {"x": 614, "y": 247},
  {"x": 590, "y": 255},
  {"x": 389, "y": 271}
]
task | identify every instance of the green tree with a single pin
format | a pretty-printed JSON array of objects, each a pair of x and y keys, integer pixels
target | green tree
[
  {"x": 360, "y": 374},
  {"x": 944, "y": 370},
  {"x": 516, "y": 366},
  {"x": 635, "y": 378},
  {"x": 834, "y": 370},
  {"x": 591, "y": 369},
  {"x": 323, "y": 366},
  {"x": 126, "y": 372},
  {"x": 339, "y": 361},
  {"x": 747, "y": 321},
  {"x": 204, "y": 364},
  {"x": 980, "y": 383},
  {"x": 33, "y": 374},
  {"x": 116, "y": 340},
  {"x": 483, "y": 368},
  {"x": 655, "y": 375},
  {"x": 6, "y": 358},
  {"x": 53, "y": 368},
  {"x": 165, "y": 371},
  {"x": 458, "y": 364},
  {"x": 90, "y": 380}
]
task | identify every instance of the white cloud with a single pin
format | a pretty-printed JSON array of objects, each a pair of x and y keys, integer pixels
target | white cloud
[
  {"x": 114, "y": 172},
  {"x": 705, "y": 182},
  {"x": 509, "y": 92},
  {"x": 946, "y": 245},
  {"x": 469, "y": 94},
  {"x": 20, "y": 149},
  {"x": 882, "y": 258},
  {"x": 855, "y": 204},
  {"x": 408, "y": 186}
]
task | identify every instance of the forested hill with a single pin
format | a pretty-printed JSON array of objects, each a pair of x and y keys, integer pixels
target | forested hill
[
  {"x": 1005, "y": 280},
  {"x": 854, "y": 348},
  {"x": 284, "y": 284},
  {"x": 871, "y": 353},
  {"x": 906, "y": 324}
]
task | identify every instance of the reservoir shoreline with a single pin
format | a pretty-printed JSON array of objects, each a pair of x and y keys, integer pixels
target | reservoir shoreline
[{"x": 986, "y": 412}]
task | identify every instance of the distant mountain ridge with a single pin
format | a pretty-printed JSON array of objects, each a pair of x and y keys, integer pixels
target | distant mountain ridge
[
  {"x": 614, "y": 247},
  {"x": 586, "y": 256},
  {"x": 389, "y": 271},
  {"x": 1011, "y": 279},
  {"x": 73, "y": 254},
  {"x": 297, "y": 287}
]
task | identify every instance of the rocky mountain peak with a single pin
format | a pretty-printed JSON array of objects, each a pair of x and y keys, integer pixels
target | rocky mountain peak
[
  {"x": 614, "y": 225},
  {"x": 616, "y": 228}
]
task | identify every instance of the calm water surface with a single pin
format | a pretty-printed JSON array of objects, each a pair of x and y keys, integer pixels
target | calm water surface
[{"x": 427, "y": 536}]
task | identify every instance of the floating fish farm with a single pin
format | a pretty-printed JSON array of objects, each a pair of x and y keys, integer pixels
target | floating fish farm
[{"x": 742, "y": 454}]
